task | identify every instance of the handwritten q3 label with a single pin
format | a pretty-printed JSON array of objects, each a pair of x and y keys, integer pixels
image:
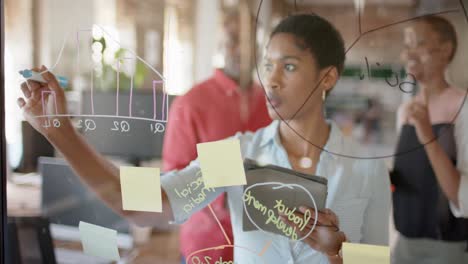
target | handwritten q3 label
[{"x": 271, "y": 215}]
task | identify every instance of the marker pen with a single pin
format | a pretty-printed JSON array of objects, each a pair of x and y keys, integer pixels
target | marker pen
[{"x": 35, "y": 76}]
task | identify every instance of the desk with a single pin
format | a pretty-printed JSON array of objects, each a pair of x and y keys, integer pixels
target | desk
[{"x": 163, "y": 247}]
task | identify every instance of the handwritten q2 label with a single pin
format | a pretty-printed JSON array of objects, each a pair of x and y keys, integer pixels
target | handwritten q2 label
[
  {"x": 121, "y": 126},
  {"x": 272, "y": 214}
]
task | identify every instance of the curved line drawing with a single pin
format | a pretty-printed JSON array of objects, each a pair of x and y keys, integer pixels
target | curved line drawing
[
  {"x": 133, "y": 53},
  {"x": 463, "y": 9},
  {"x": 219, "y": 224},
  {"x": 60, "y": 52},
  {"x": 226, "y": 246}
]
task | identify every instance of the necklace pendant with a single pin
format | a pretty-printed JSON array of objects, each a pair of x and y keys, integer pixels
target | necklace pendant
[{"x": 305, "y": 162}]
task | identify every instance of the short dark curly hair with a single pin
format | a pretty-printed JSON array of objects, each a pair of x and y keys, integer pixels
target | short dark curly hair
[{"x": 318, "y": 35}]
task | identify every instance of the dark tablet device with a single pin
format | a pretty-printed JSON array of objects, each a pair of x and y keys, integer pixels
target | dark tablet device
[{"x": 272, "y": 189}]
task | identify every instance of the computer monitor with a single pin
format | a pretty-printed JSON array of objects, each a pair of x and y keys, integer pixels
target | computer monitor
[
  {"x": 129, "y": 127},
  {"x": 66, "y": 200}
]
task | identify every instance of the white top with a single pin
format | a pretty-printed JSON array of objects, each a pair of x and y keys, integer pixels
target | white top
[
  {"x": 461, "y": 140},
  {"x": 358, "y": 192}
]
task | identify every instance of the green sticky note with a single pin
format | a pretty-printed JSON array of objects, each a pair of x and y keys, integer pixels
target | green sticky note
[
  {"x": 99, "y": 241},
  {"x": 141, "y": 189},
  {"x": 365, "y": 254},
  {"x": 221, "y": 163}
]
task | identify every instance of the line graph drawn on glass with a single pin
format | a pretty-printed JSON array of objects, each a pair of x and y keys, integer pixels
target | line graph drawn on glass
[{"x": 121, "y": 121}]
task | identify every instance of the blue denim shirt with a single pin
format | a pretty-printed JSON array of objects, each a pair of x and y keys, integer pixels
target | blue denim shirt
[{"x": 358, "y": 192}]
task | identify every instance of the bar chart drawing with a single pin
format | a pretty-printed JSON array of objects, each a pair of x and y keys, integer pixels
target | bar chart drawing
[
  {"x": 43, "y": 98},
  {"x": 158, "y": 117},
  {"x": 165, "y": 108}
]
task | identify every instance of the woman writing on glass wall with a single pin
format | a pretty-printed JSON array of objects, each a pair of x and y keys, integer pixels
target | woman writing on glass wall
[{"x": 304, "y": 52}]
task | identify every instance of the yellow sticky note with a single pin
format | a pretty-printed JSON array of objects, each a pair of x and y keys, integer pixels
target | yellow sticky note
[
  {"x": 365, "y": 254},
  {"x": 99, "y": 241},
  {"x": 141, "y": 189},
  {"x": 221, "y": 163}
]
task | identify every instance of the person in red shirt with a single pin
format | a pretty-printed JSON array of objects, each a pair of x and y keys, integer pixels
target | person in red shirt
[{"x": 212, "y": 110}]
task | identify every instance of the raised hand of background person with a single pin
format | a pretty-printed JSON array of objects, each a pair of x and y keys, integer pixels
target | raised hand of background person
[{"x": 418, "y": 116}]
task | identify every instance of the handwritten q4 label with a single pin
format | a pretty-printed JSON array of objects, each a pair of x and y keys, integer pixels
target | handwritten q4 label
[
  {"x": 271, "y": 216},
  {"x": 55, "y": 123}
]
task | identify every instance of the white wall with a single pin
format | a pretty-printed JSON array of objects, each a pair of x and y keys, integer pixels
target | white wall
[
  {"x": 457, "y": 71},
  {"x": 206, "y": 37},
  {"x": 18, "y": 56}
]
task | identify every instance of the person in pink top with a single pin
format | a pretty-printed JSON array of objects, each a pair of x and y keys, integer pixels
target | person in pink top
[{"x": 212, "y": 110}]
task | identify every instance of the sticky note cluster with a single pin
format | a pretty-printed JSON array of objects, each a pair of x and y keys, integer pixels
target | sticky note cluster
[
  {"x": 141, "y": 189},
  {"x": 365, "y": 254},
  {"x": 221, "y": 163}
]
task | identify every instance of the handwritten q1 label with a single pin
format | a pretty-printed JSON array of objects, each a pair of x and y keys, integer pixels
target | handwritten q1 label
[{"x": 266, "y": 213}]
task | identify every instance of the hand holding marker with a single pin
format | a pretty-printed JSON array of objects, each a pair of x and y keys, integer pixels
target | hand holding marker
[{"x": 36, "y": 76}]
